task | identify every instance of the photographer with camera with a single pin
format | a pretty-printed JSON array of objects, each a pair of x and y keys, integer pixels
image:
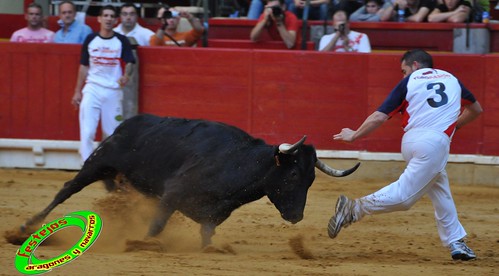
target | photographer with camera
[
  {"x": 167, "y": 34},
  {"x": 343, "y": 39},
  {"x": 279, "y": 23}
]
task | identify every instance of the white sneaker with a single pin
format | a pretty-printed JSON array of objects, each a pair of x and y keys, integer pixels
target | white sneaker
[
  {"x": 343, "y": 217},
  {"x": 460, "y": 251}
]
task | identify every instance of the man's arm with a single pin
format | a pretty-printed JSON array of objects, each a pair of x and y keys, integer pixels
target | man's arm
[
  {"x": 128, "y": 73},
  {"x": 332, "y": 43},
  {"x": 257, "y": 30},
  {"x": 289, "y": 37},
  {"x": 470, "y": 113},
  {"x": 375, "y": 120},
  {"x": 82, "y": 76}
]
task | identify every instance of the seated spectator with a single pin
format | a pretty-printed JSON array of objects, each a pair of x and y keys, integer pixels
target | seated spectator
[
  {"x": 453, "y": 11},
  {"x": 372, "y": 11},
  {"x": 343, "y": 39},
  {"x": 256, "y": 8},
  {"x": 349, "y": 6},
  {"x": 414, "y": 10},
  {"x": 278, "y": 22},
  {"x": 35, "y": 32},
  {"x": 71, "y": 30},
  {"x": 129, "y": 26},
  {"x": 167, "y": 34},
  {"x": 318, "y": 9}
]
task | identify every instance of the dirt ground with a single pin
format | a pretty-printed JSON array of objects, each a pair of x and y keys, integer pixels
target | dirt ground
[{"x": 255, "y": 240}]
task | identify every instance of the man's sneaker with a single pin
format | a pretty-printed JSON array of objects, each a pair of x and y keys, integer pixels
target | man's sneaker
[
  {"x": 460, "y": 251},
  {"x": 343, "y": 217}
]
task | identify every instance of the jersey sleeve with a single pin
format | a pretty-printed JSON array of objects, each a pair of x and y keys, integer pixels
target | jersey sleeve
[
  {"x": 466, "y": 96},
  {"x": 395, "y": 101},
  {"x": 85, "y": 57}
]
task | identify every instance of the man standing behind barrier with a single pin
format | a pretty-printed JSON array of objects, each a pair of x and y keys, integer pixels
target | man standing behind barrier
[
  {"x": 280, "y": 24},
  {"x": 430, "y": 100},
  {"x": 34, "y": 32},
  {"x": 100, "y": 69},
  {"x": 71, "y": 30},
  {"x": 167, "y": 34},
  {"x": 129, "y": 26},
  {"x": 343, "y": 39}
]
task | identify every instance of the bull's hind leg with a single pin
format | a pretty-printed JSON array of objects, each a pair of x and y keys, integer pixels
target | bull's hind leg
[
  {"x": 207, "y": 231},
  {"x": 87, "y": 175},
  {"x": 163, "y": 213}
]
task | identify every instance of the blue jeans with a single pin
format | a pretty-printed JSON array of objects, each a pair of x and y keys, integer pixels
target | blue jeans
[{"x": 256, "y": 8}]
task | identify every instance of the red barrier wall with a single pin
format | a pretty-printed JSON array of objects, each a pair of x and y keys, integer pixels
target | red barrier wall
[{"x": 275, "y": 95}]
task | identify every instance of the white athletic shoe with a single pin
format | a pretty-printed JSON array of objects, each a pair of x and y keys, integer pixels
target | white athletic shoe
[
  {"x": 460, "y": 251},
  {"x": 343, "y": 217}
]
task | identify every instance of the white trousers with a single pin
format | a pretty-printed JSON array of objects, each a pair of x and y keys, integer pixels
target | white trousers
[
  {"x": 426, "y": 153},
  {"x": 98, "y": 103}
]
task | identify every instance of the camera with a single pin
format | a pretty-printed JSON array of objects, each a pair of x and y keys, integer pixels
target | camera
[
  {"x": 341, "y": 28},
  {"x": 169, "y": 14},
  {"x": 277, "y": 11}
]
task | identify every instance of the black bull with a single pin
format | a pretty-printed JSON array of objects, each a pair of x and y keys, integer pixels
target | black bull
[{"x": 201, "y": 168}]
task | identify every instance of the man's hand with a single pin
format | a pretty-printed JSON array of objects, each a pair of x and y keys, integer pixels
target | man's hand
[
  {"x": 76, "y": 100},
  {"x": 346, "y": 135}
]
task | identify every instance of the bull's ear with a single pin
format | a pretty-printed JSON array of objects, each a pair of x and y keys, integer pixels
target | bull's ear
[{"x": 291, "y": 149}]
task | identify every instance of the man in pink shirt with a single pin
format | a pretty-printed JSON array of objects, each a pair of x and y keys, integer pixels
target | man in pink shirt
[{"x": 35, "y": 32}]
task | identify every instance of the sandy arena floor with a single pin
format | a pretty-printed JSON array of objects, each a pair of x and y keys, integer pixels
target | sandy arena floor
[{"x": 255, "y": 240}]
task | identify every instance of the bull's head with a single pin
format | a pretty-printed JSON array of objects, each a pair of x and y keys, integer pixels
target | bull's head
[{"x": 294, "y": 175}]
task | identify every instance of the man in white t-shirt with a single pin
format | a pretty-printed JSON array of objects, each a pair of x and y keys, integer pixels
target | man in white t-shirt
[
  {"x": 34, "y": 32},
  {"x": 98, "y": 92},
  {"x": 343, "y": 39},
  {"x": 430, "y": 101},
  {"x": 129, "y": 26}
]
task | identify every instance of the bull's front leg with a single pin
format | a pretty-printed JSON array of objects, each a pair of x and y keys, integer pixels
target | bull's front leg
[{"x": 207, "y": 231}]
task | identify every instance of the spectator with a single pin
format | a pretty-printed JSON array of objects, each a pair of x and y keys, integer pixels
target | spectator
[
  {"x": 100, "y": 70},
  {"x": 453, "y": 11},
  {"x": 343, "y": 39},
  {"x": 318, "y": 9},
  {"x": 256, "y": 8},
  {"x": 414, "y": 10},
  {"x": 349, "y": 6},
  {"x": 278, "y": 22},
  {"x": 35, "y": 32},
  {"x": 167, "y": 34},
  {"x": 71, "y": 30},
  {"x": 372, "y": 11},
  {"x": 129, "y": 26}
]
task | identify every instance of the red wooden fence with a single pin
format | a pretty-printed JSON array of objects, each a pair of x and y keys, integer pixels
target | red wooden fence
[{"x": 276, "y": 95}]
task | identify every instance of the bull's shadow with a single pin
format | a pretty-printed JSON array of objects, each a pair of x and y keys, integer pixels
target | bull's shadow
[{"x": 201, "y": 168}]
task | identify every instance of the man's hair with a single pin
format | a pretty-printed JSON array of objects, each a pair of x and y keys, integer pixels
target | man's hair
[
  {"x": 129, "y": 4},
  {"x": 68, "y": 2},
  {"x": 342, "y": 11},
  {"x": 35, "y": 5},
  {"x": 421, "y": 56},
  {"x": 107, "y": 7},
  {"x": 379, "y": 2}
]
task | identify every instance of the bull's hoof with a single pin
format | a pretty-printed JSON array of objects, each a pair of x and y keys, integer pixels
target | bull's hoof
[
  {"x": 16, "y": 237},
  {"x": 144, "y": 245},
  {"x": 226, "y": 249}
]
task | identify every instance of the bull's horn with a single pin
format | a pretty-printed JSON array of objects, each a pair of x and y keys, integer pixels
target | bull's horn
[
  {"x": 291, "y": 149},
  {"x": 334, "y": 172}
]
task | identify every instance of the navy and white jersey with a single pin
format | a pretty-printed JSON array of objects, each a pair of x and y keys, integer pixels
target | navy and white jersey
[
  {"x": 429, "y": 99},
  {"x": 104, "y": 57}
]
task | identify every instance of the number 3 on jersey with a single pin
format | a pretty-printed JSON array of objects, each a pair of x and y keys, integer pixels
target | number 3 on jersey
[{"x": 439, "y": 91}]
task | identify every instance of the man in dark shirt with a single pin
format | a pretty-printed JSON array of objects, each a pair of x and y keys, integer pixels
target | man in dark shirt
[{"x": 453, "y": 11}]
